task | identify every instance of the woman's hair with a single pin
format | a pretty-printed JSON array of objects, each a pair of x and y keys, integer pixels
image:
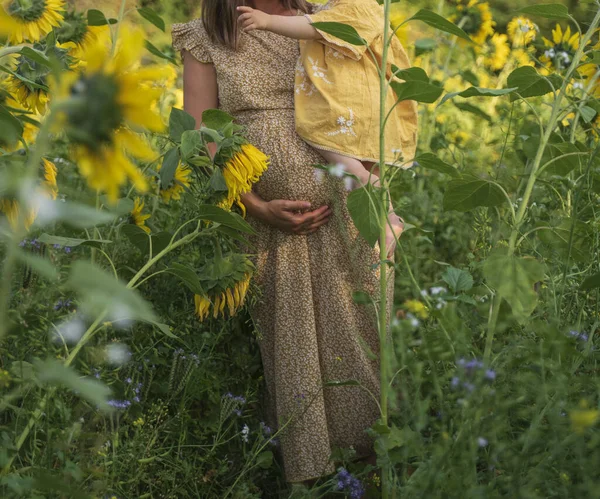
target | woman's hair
[{"x": 220, "y": 18}]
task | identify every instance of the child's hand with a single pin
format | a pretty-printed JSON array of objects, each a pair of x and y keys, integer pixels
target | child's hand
[{"x": 251, "y": 19}]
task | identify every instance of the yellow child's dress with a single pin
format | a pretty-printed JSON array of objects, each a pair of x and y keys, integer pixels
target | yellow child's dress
[{"x": 337, "y": 88}]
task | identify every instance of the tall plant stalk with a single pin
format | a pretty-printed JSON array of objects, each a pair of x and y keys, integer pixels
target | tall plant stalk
[{"x": 559, "y": 95}]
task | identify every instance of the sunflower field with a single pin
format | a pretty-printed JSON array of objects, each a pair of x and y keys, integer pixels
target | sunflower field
[{"x": 129, "y": 366}]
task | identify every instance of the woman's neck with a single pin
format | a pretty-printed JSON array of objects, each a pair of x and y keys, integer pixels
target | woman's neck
[{"x": 270, "y": 7}]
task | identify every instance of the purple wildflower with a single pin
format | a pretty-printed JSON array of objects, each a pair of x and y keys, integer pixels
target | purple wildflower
[
  {"x": 349, "y": 484},
  {"x": 482, "y": 442},
  {"x": 67, "y": 250},
  {"x": 23, "y": 243},
  {"x": 455, "y": 382},
  {"x": 119, "y": 404},
  {"x": 265, "y": 429},
  {"x": 490, "y": 374}
]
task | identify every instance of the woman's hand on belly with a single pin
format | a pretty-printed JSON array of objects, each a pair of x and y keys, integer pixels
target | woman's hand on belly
[{"x": 288, "y": 216}]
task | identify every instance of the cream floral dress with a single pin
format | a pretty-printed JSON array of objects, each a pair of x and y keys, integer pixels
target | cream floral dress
[
  {"x": 337, "y": 88},
  {"x": 311, "y": 330}
]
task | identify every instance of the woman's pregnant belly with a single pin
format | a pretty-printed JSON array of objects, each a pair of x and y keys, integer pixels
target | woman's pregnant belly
[{"x": 291, "y": 174}]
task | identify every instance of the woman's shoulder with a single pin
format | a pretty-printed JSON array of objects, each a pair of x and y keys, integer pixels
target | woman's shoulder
[{"x": 192, "y": 36}]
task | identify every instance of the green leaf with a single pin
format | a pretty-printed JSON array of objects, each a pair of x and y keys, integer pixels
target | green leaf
[
  {"x": 100, "y": 292},
  {"x": 470, "y": 108},
  {"x": 424, "y": 45},
  {"x": 191, "y": 141},
  {"x": 410, "y": 74},
  {"x": 458, "y": 280},
  {"x": 217, "y": 181},
  {"x": 38, "y": 264},
  {"x": 438, "y": 22},
  {"x": 97, "y": 18},
  {"x": 36, "y": 56},
  {"x": 71, "y": 242},
  {"x": 264, "y": 460},
  {"x": 188, "y": 276},
  {"x": 591, "y": 282},
  {"x": 179, "y": 122},
  {"x": 363, "y": 210},
  {"x": 11, "y": 128},
  {"x": 549, "y": 11},
  {"x": 558, "y": 240},
  {"x": 216, "y": 119},
  {"x": 227, "y": 218},
  {"x": 587, "y": 114},
  {"x": 141, "y": 239},
  {"x": 431, "y": 162},
  {"x": 468, "y": 193},
  {"x": 477, "y": 92},
  {"x": 562, "y": 158},
  {"x": 417, "y": 90},
  {"x": 157, "y": 52},
  {"x": 151, "y": 16},
  {"x": 514, "y": 278},
  {"x": 529, "y": 83},
  {"x": 163, "y": 328},
  {"x": 169, "y": 166},
  {"x": 54, "y": 372},
  {"x": 342, "y": 31}
]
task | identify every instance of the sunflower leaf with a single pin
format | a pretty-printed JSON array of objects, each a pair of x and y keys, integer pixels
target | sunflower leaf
[
  {"x": 97, "y": 18},
  {"x": 187, "y": 276},
  {"x": 71, "y": 242},
  {"x": 179, "y": 122},
  {"x": 410, "y": 74},
  {"x": 158, "y": 53},
  {"x": 169, "y": 166},
  {"x": 227, "y": 218},
  {"x": 363, "y": 210},
  {"x": 151, "y": 16},
  {"x": 438, "y": 22},
  {"x": 467, "y": 193},
  {"x": 431, "y": 162},
  {"x": 342, "y": 31},
  {"x": 549, "y": 11},
  {"x": 216, "y": 119},
  {"x": 416, "y": 90}
]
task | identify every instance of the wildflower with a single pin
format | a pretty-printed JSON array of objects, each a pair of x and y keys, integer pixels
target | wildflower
[
  {"x": 245, "y": 433},
  {"x": 349, "y": 484},
  {"x": 181, "y": 181},
  {"x": 137, "y": 217},
  {"x": 30, "y": 21},
  {"x": 138, "y": 422},
  {"x": 477, "y": 19},
  {"x": 414, "y": 322},
  {"x": 111, "y": 96},
  {"x": 490, "y": 374},
  {"x": 266, "y": 430},
  {"x": 417, "y": 308},
  {"x": 583, "y": 418},
  {"x": 521, "y": 31},
  {"x": 240, "y": 172},
  {"x": 437, "y": 290},
  {"x": 561, "y": 49},
  {"x": 119, "y": 404},
  {"x": 482, "y": 442},
  {"x": 338, "y": 170},
  {"x": 5, "y": 378},
  {"x": 495, "y": 52}
]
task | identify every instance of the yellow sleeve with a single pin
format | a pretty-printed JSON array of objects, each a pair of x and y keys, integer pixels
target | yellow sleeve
[
  {"x": 192, "y": 37},
  {"x": 365, "y": 16}
]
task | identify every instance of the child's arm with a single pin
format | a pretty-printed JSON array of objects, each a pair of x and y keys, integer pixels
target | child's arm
[{"x": 296, "y": 27}]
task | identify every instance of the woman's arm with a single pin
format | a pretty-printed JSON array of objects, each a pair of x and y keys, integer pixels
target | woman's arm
[{"x": 297, "y": 27}]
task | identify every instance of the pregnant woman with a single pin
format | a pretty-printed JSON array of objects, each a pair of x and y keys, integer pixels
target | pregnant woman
[{"x": 310, "y": 258}]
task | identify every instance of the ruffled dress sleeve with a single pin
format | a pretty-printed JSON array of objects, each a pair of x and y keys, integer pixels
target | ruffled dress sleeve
[
  {"x": 192, "y": 37},
  {"x": 365, "y": 16}
]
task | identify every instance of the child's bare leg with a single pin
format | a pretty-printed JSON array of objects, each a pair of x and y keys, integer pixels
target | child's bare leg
[{"x": 364, "y": 172}]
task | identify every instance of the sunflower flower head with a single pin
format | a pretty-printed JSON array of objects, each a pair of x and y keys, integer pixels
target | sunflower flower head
[
  {"x": 231, "y": 300},
  {"x": 30, "y": 20},
  {"x": 179, "y": 184},
  {"x": 77, "y": 35},
  {"x": 590, "y": 74},
  {"x": 521, "y": 31},
  {"x": 49, "y": 173},
  {"x": 113, "y": 97},
  {"x": 138, "y": 217},
  {"x": 495, "y": 51},
  {"x": 241, "y": 171},
  {"x": 28, "y": 84},
  {"x": 475, "y": 17},
  {"x": 559, "y": 51}
]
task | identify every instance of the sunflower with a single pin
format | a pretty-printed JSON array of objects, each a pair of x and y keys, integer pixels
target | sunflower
[
  {"x": 495, "y": 52},
  {"x": 241, "y": 171},
  {"x": 111, "y": 96},
  {"x": 232, "y": 297},
  {"x": 475, "y": 18},
  {"x": 31, "y": 20},
  {"x": 560, "y": 51},
  {"x": 28, "y": 83},
  {"x": 50, "y": 172},
  {"x": 397, "y": 17},
  {"x": 181, "y": 181},
  {"x": 521, "y": 31},
  {"x": 137, "y": 217},
  {"x": 590, "y": 73},
  {"x": 75, "y": 34},
  {"x": 11, "y": 209}
]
